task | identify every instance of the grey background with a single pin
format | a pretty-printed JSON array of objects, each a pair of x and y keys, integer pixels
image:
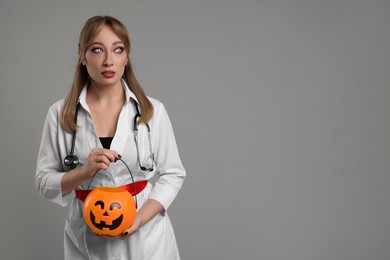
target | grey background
[{"x": 280, "y": 110}]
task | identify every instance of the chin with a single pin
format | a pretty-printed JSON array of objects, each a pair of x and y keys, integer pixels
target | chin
[{"x": 108, "y": 82}]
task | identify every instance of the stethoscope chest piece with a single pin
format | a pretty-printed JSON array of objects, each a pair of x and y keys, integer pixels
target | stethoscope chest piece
[{"x": 71, "y": 161}]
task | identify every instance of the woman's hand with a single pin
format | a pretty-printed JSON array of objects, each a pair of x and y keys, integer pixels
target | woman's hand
[
  {"x": 148, "y": 211},
  {"x": 134, "y": 228},
  {"x": 98, "y": 159}
]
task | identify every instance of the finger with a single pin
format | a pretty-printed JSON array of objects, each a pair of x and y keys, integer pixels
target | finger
[
  {"x": 134, "y": 228},
  {"x": 125, "y": 235},
  {"x": 111, "y": 155},
  {"x": 118, "y": 157},
  {"x": 102, "y": 166},
  {"x": 102, "y": 159}
]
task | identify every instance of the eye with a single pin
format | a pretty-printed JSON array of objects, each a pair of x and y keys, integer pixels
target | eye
[
  {"x": 115, "y": 205},
  {"x": 119, "y": 50},
  {"x": 100, "y": 203},
  {"x": 97, "y": 50}
]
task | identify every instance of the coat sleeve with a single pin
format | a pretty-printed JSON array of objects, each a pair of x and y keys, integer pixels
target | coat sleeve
[
  {"x": 49, "y": 170},
  {"x": 169, "y": 168}
]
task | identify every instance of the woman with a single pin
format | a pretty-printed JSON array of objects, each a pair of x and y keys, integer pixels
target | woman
[{"x": 100, "y": 113}]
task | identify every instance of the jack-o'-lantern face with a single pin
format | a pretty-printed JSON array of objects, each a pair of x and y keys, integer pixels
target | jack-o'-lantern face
[
  {"x": 109, "y": 211},
  {"x": 106, "y": 217}
]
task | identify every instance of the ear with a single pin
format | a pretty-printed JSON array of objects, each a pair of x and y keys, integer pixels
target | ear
[{"x": 83, "y": 60}]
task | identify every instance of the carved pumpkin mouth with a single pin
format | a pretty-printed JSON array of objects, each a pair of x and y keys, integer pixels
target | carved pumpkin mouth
[{"x": 115, "y": 223}]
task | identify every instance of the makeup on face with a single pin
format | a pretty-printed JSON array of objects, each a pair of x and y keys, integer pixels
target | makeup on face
[{"x": 106, "y": 58}]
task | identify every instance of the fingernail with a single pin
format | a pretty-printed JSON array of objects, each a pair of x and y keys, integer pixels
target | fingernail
[{"x": 118, "y": 158}]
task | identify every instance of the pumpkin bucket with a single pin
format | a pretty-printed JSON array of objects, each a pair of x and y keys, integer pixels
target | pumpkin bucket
[{"x": 109, "y": 211}]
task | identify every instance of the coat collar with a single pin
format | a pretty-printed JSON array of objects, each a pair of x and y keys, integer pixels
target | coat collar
[{"x": 83, "y": 95}]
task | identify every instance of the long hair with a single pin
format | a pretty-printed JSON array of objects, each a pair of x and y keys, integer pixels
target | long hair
[{"x": 91, "y": 28}]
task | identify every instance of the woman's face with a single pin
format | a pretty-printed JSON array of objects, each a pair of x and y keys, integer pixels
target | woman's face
[{"x": 106, "y": 58}]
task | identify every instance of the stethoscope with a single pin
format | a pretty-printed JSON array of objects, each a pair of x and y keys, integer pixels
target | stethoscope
[{"x": 71, "y": 161}]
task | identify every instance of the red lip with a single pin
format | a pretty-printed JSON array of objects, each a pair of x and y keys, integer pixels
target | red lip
[{"x": 108, "y": 74}]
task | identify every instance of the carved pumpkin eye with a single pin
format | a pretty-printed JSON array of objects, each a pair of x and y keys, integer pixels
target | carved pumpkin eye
[
  {"x": 100, "y": 203},
  {"x": 115, "y": 205}
]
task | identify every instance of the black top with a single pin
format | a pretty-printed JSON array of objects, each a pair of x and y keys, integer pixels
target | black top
[{"x": 106, "y": 142}]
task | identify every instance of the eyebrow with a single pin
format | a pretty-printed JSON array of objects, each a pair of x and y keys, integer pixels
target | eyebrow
[{"x": 114, "y": 43}]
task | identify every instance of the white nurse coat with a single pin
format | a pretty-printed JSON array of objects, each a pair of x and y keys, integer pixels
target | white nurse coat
[{"x": 155, "y": 240}]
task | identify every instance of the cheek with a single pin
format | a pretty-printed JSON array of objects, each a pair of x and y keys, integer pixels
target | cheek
[
  {"x": 92, "y": 61},
  {"x": 93, "y": 68},
  {"x": 122, "y": 61},
  {"x": 121, "y": 66}
]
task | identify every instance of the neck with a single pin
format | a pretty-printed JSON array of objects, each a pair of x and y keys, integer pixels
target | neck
[{"x": 104, "y": 94}]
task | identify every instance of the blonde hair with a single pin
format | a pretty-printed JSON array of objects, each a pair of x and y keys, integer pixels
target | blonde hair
[{"x": 88, "y": 33}]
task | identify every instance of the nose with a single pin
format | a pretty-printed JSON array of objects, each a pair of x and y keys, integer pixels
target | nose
[{"x": 107, "y": 60}]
